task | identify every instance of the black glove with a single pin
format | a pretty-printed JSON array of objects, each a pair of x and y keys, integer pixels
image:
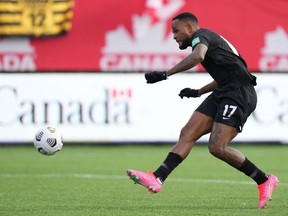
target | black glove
[
  {"x": 155, "y": 76},
  {"x": 188, "y": 92}
]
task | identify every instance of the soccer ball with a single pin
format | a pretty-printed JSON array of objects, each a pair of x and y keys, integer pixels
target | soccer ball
[{"x": 48, "y": 141}]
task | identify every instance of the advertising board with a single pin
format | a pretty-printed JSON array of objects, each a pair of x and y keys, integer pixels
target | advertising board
[{"x": 107, "y": 108}]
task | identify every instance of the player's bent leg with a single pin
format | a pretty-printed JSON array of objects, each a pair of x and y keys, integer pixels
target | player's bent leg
[
  {"x": 198, "y": 125},
  {"x": 221, "y": 136}
]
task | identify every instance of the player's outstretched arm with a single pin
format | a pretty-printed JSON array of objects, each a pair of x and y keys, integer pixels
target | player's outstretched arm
[
  {"x": 190, "y": 61},
  {"x": 196, "y": 57}
]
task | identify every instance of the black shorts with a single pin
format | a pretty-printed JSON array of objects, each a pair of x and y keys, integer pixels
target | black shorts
[{"x": 230, "y": 107}]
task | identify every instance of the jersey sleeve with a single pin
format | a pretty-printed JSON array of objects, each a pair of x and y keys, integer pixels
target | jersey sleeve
[{"x": 200, "y": 38}]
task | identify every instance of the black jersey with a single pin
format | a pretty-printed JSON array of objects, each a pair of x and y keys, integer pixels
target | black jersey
[{"x": 222, "y": 61}]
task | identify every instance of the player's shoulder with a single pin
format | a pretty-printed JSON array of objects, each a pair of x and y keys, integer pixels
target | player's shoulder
[
  {"x": 204, "y": 36},
  {"x": 204, "y": 32}
]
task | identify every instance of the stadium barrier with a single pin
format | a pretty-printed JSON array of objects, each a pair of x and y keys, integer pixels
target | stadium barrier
[{"x": 114, "y": 107}]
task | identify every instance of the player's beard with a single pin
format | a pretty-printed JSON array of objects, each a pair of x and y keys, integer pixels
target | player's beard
[{"x": 185, "y": 43}]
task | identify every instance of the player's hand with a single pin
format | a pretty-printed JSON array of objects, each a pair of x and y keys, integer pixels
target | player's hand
[
  {"x": 188, "y": 92},
  {"x": 155, "y": 76}
]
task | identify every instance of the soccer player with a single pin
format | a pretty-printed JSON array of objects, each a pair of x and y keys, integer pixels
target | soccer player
[{"x": 223, "y": 113}]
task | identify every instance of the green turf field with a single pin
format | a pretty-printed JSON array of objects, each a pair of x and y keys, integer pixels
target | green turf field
[{"x": 91, "y": 180}]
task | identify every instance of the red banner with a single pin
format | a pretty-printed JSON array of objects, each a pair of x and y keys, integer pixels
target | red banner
[{"x": 129, "y": 35}]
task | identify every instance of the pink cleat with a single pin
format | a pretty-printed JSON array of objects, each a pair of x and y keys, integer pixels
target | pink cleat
[
  {"x": 266, "y": 189},
  {"x": 148, "y": 180}
]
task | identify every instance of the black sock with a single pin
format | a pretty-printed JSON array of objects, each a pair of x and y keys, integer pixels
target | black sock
[
  {"x": 252, "y": 171},
  {"x": 170, "y": 163}
]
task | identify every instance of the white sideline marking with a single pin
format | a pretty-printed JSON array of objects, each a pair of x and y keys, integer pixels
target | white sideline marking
[{"x": 111, "y": 177}]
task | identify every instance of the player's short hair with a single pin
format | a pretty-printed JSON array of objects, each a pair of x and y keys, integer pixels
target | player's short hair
[{"x": 186, "y": 16}]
